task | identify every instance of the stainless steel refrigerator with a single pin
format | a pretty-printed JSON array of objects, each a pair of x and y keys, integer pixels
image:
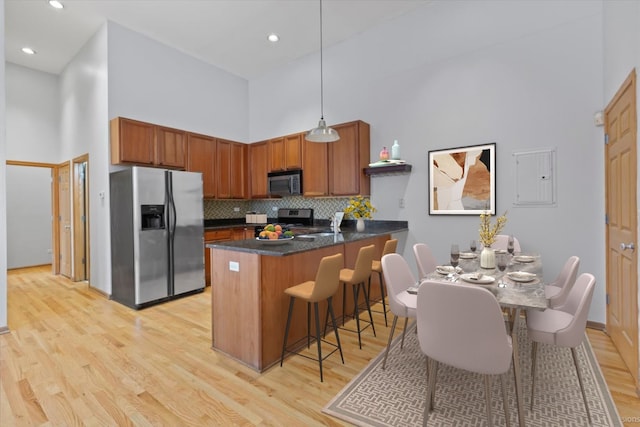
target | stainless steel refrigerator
[{"x": 157, "y": 235}]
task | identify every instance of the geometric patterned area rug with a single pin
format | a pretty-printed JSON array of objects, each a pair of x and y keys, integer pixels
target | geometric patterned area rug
[{"x": 396, "y": 396}]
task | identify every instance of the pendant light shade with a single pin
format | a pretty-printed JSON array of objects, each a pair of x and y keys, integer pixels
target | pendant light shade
[{"x": 322, "y": 133}]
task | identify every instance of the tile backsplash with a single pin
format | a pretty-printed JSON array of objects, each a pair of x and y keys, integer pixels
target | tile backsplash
[{"x": 323, "y": 208}]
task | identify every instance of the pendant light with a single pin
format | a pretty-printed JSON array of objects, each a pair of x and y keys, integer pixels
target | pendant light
[{"x": 322, "y": 133}]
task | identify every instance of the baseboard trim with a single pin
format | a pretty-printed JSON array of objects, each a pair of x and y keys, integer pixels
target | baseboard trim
[
  {"x": 4, "y": 330},
  {"x": 596, "y": 325}
]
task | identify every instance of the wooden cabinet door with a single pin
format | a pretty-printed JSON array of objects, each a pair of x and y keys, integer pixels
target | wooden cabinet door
[
  {"x": 347, "y": 158},
  {"x": 276, "y": 155},
  {"x": 170, "y": 147},
  {"x": 201, "y": 155},
  {"x": 132, "y": 142},
  {"x": 223, "y": 169},
  {"x": 258, "y": 168},
  {"x": 285, "y": 153},
  {"x": 238, "y": 171},
  {"x": 315, "y": 181},
  {"x": 293, "y": 151}
]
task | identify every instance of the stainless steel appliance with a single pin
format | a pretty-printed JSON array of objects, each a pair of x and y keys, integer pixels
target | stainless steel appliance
[
  {"x": 298, "y": 220},
  {"x": 157, "y": 235},
  {"x": 284, "y": 183}
]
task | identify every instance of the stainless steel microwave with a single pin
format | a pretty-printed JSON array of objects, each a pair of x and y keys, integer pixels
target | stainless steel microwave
[{"x": 285, "y": 183}]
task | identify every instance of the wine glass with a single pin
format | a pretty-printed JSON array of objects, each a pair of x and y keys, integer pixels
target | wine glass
[
  {"x": 455, "y": 255},
  {"x": 501, "y": 262},
  {"x": 473, "y": 246},
  {"x": 510, "y": 247}
]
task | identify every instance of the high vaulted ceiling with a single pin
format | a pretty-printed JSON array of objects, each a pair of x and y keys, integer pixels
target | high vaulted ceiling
[{"x": 230, "y": 34}]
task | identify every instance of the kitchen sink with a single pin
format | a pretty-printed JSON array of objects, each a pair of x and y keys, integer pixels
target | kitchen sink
[{"x": 314, "y": 235}]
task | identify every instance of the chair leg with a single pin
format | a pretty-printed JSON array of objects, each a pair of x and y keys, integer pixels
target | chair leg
[
  {"x": 432, "y": 368},
  {"x": 355, "y": 311},
  {"x": 487, "y": 396},
  {"x": 505, "y": 399},
  {"x": 366, "y": 299},
  {"x": 404, "y": 332},
  {"x": 308, "y": 325},
  {"x": 344, "y": 301},
  {"x": 384, "y": 304},
  {"x": 286, "y": 329},
  {"x": 335, "y": 325},
  {"x": 386, "y": 353},
  {"x": 317, "y": 309},
  {"x": 574, "y": 353},
  {"x": 534, "y": 352}
]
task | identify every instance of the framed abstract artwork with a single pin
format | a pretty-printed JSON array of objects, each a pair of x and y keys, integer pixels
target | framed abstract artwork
[{"x": 462, "y": 181}]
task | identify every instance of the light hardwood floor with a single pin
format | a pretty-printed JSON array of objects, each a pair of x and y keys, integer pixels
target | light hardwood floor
[{"x": 73, "y": 357}]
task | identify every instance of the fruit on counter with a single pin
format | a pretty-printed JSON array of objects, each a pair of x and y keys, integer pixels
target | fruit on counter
[
  {"x": 269, "y": 227},
  {"x": 274, "y": 235},
  {"x": 288, "y": 233}
]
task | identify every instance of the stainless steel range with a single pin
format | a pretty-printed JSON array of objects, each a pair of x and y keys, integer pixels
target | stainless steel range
[{"x": 299, "y": 220}]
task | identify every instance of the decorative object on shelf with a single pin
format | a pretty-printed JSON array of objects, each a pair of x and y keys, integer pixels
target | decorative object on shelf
[
  {"x": 395, "y": 150},
  {"x": 359, "y": 208},
  {"x": 384, "y": 154},
  {"x": 462, "y": 181},
  {"x": 488, "y": 233},
  {"x": 322, "y": 133}
]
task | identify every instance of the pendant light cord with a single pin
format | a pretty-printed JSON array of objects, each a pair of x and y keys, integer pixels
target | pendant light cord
[{"x": 321, "y": 74}]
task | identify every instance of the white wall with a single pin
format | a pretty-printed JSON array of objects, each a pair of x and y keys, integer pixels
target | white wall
[
  {"x": 84, "y": 128},
  {"x": 151, "y": 82},
  {"x": 3, "y": 205},
  {"x": 29, "y": 220},
  {"x": 526, "y": 75}
]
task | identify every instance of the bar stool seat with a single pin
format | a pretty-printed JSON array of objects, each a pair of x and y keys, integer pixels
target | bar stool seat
[
  {"x": 322, "y": 288},
  {"x": 390, "y": 247}
]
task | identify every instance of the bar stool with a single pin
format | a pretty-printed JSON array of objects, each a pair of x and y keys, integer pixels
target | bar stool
[
  {"x": 390, "y": 247},
  {"x": 356, "y": 278},
  {"x": 313, "y": 291}
]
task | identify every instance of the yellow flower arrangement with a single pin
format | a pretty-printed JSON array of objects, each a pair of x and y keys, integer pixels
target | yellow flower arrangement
[
  {"x": 488, "y": 232},
  {"x": 359, "y": 207}
]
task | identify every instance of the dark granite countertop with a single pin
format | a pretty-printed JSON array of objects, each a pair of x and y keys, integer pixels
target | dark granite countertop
[{"x": 297, "y": 245}]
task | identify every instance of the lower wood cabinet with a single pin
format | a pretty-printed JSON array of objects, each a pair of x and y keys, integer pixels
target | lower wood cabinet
[{"x": 222, "y": 235}]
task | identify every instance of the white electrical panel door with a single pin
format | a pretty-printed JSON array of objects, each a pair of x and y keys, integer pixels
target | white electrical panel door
[{"x": 535, "y": 178}]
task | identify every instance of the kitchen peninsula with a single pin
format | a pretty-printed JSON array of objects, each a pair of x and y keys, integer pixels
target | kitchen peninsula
[{"x": 248, "y": 279}]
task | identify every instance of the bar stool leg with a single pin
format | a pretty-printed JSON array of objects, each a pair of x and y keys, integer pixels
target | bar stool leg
[
  {"x": 356, "y": 289},
  {"x": 366, "y": 300},
  {"x": 384, "y": 306},
  {"x": 286, "y": 330},
  {"x": 335, "y": 326},
  {"x": 308, "y": 325},
  {"x": 315, "y": 306}
]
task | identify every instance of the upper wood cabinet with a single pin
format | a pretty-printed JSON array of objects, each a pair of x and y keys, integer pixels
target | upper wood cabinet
[
  {"x": 258, "y": 168},
  {"x": 285, "y": 153},
  {"x": 231, "y": 166},
  {"x": 336, "y": 168},
  {"x": 347, "y": 158},
  {"x": 201, "y": 156},
  {"x": 140, "y": 143}
]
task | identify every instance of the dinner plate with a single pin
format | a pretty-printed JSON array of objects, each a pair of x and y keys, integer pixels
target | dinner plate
[
  {"x": 447, "y": 269},
  {"x": 467, "y": 255},
  {"x": 473, "y": 278},
  {"x": 275, "y": 241},
  {"x": 524, "y": 258},
  {"x": 521, "y": 276}
]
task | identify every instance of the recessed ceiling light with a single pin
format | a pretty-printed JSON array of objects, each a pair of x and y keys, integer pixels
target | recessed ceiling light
[
  {"x": 273, "y": 37},
  {"x": 55, "y": 4},
  {"x": 28, "y": 51}
]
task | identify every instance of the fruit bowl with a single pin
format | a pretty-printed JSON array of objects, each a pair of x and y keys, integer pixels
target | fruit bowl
[{"x": 279, "y": 241}]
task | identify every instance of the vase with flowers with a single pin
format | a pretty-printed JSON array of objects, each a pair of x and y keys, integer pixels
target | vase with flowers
[
  {"x": 360, "y": 208},
  {"x": 488, "y": 233}
]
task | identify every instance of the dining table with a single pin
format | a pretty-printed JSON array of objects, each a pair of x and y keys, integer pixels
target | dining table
[{"x": 519, "y": 287}]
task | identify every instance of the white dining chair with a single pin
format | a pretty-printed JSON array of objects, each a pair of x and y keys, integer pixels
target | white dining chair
[
  {"x": 462, "y": 326},
  {"x": 398, "y": 278},
  {"x": 502, "y": 241},
  {"x": 557, "y": 290},
  {"x": 425, "y": 260},
  {"x": 563, "y": 327}
]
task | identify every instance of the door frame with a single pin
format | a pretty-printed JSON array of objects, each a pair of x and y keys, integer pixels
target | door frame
[{"x": 80, "y": 218}]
